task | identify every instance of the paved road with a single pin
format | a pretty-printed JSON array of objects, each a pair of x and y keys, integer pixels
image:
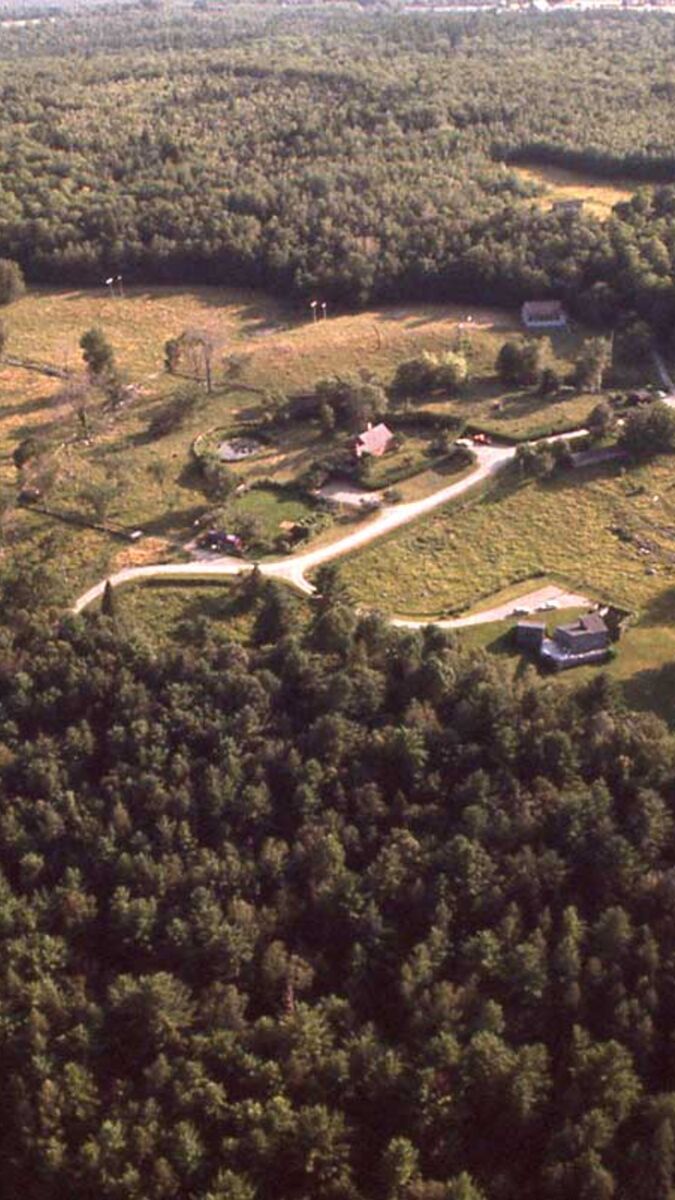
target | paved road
[
  {"x": 293, "y": 569},
  {"x": 548, "y": 594}
]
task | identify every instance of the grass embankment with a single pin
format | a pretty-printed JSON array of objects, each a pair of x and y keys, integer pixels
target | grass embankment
[{"x": 556, "y": 184}]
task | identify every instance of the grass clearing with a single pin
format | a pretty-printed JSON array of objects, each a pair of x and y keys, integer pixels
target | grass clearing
[
  {"x": 450, "y": 560},
  {"x": 559, "y": 184},
  {"x": 588, "y": 530},
  {"x": 158, "y": 612}
]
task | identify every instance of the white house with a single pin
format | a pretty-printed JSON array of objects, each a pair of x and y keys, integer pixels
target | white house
[{"x": 543, "y": 314}]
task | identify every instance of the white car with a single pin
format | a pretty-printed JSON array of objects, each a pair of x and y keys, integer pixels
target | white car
[{"x": 548, "y": 606}]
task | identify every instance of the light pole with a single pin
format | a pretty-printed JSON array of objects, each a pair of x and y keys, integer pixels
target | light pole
[
  {"x": 109, "y": 284},
  {"x": 323, "y": 309},
  {"x": 120, "y": 286},
  {"x": 312, "y": 305}
]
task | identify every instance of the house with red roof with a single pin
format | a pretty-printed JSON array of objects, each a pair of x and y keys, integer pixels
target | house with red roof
[{"x": 375, "y": 440}]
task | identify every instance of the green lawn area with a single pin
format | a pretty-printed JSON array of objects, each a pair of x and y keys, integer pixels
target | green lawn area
[
  {"x": 270, "y": 510},
  {"x": 159, "y": 612},
  {"x": 448, "y": 561}
]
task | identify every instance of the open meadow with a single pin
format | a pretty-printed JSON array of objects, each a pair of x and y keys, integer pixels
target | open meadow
[
  {"x": 260, "y": 346},
  {"x": 559, "y": 184}
]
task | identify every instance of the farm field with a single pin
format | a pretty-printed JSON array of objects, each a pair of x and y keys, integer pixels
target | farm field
[{"x": 558, "y": 183}]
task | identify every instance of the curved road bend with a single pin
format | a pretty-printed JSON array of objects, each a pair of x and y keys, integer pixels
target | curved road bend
[{"x": 489, "y": 460}]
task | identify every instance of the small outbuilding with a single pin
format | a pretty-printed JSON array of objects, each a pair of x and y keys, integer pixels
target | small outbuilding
[
  {"x": 375, "y": 440},
  {"x": 568, "y": 206},
  {"x": 543, "y": 314}
]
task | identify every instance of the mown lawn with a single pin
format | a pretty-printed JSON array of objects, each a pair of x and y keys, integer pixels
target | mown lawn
[{"x": 272, "y": 511}]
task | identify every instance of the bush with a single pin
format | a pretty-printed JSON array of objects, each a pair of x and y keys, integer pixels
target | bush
[
  {"x": 649, "y": 431},
  {"x": 11, "y": 281},
  {"x": 522, "y": 363}
]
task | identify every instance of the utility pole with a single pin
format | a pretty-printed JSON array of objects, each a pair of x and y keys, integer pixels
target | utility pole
[
  {"x": 323, "y": 309},
  {"x": 109, "y": 284},
  {"x": 312, "y": 305}
]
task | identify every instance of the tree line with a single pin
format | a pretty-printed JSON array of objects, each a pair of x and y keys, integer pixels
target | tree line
[
  {"x": 353, "y": 157},
  {"x": 338, "y": 911}
]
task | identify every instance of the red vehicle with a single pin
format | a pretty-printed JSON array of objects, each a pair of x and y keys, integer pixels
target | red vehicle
[{"x": 481, "y": 439}]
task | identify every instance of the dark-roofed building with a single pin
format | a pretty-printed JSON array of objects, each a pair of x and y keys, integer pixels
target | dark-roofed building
[
  {"x": 595, "y": 458},
  {"x": 588, "y": 633},
  {"x": 568, "y": 206},
  {"x": 543, "y": 314},
  {"x": 577, "y": 644}
]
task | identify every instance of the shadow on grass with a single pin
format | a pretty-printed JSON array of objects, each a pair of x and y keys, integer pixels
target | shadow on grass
[
  {"x": 660, "y": 610},
  {"x": 174, "y": 521},
  {"x": 504, "y": 644},
  {"x": 653, "y": 690}
]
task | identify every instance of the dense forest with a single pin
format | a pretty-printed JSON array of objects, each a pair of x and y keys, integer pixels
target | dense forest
[
  {"x": 342, "y": 913},
  {"x": 356, "y": 157}
]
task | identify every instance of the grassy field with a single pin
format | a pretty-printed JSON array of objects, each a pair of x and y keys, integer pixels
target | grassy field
[
  {"x": 556, "y": 183},
  {"x": 450, "y": 560},
  {"x": 155, "y": 489},
  {"x": 159, "y": 612},
  {"x": 153, "y": 483}
]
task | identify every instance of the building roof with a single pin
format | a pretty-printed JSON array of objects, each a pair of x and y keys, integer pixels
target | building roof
[
  {"x": 591, "y": 623},
  {"x": 374, "y": 440},
  {"x": 593, "y": 458},
  {"x": 543, "y": 310}
]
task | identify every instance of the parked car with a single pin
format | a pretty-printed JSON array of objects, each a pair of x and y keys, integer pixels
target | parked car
[
  {"x": 521, "y": 610},
  {"x": 220, "y": 542}
]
